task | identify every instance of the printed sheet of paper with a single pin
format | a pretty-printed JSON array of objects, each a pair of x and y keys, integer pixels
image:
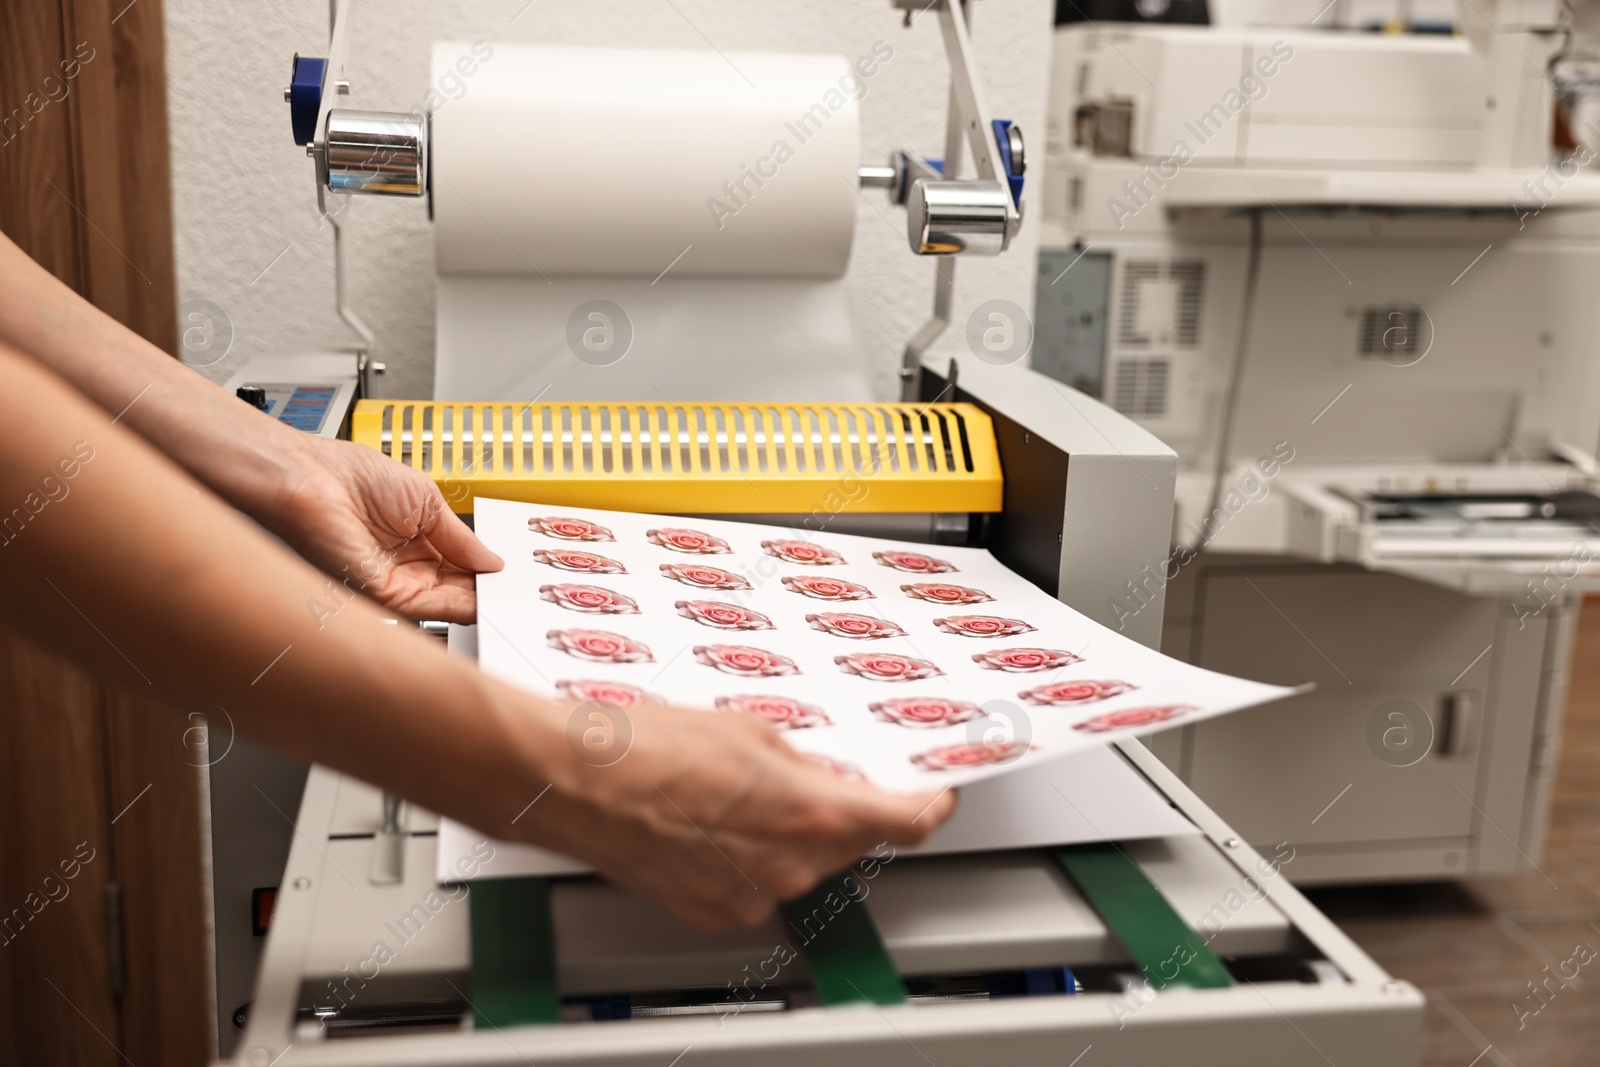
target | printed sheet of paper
[{"x": 911, "y": 666}]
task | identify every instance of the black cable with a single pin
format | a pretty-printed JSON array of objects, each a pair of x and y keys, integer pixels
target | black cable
[{"x": 1230, "y": 402}]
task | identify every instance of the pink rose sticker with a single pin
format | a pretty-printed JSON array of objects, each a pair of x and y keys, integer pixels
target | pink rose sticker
[
  {"x": 784, "y": 713},
  {"x": 570, "y": 529},
  {"x": 954, "y": 757},
  {"x": 679, "y": 539},
  {"x": 982, "y": 626},
  {"x": 616, "y": 694},
  {"x": 914, "y": 562},
  {"x": 1060, "y": 693},
  {"x": 571, "y": 559},
  {"x": 886, "y": 666},
  {"x": 589, "y": 598},
  {"x": 924, "y": 712},
  {"x": 723, "y": 616},
  {"x": 940, "y": 593},
  {"x": 862, "y": 627},
  {"x": 744, "y": 660},
  {"x": 802, "y": 552},
  {"x": 698, "y": 574},
  {"x": 1133, "y": 717},
  {"x": 827, "y": 588},
  {"x": 1025, "y": 660},
  {"x": 600, "y": 646}
]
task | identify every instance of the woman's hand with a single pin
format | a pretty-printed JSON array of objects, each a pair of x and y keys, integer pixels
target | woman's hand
[
  {"x": 375, "y": 525},
  {"x": 383, "y": 529},
  {"x": 711, "y": 814}
]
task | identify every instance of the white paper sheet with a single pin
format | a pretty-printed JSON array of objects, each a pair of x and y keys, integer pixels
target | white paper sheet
[
  {"x": 1088, "y": 796},
  {"x": 508, "y": 337},
  {"x": 914, "y": 667}
]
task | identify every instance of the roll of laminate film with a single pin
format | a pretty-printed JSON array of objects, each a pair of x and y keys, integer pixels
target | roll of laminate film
[{"x": 623, "y": 163}]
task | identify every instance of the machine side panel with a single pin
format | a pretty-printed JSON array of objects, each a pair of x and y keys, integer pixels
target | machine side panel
[
  {"x": 1558, "y": 650},
  {"x": 1510, "y": 720},
  {"x": 249, "y": 847},
  {"x": 1112, "y": 520},
  {"x": 1116, "y": 545},
  {"x": 1027, "y": 535}
]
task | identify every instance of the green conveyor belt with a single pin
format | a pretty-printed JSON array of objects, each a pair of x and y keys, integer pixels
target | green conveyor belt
[
  {"x": 513, "y": 954},
  {"x": 849, "y": 964},
  {"x": 1160, "y": 941},
  {"x": 513, "y": 943}
]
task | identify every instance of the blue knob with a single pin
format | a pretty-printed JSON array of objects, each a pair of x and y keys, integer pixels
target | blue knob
[
  {"x": 305, "y": 96},
  {"x": 1009, "y": 137}
]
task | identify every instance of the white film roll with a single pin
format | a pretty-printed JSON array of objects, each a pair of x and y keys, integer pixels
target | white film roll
[{"x": 581, "y": 162}]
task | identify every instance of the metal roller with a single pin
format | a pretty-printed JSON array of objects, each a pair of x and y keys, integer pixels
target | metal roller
[
  {"x": 958, "y": 217},
  {"x": 379, "y": 152}
]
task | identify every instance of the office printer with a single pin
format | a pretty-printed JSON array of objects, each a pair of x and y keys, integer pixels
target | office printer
[
  {"x": 1349, "y": 277},
  {"x": 1190, "y": 944}
]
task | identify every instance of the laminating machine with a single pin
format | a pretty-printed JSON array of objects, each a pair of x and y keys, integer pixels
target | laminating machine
[
  {"x": 1186, "y": 943},
  {"x": 1189, "y": 944}
]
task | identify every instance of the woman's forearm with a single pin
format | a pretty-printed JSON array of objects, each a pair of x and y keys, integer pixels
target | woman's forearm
[
  {"x": 113, "y": 557},
  {"x": 250, "y": 459}
]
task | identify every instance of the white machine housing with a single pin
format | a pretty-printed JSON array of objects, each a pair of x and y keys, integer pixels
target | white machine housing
[
  {"x": 1422, "y": 329},
  {"x": 1402, "y": 100}
]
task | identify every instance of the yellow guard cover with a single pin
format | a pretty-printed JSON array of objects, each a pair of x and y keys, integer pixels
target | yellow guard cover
[{"x": 756, "y": 458}]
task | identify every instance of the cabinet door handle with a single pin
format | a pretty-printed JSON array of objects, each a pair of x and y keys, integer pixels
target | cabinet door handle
[{"x": 1458, "y": 722}]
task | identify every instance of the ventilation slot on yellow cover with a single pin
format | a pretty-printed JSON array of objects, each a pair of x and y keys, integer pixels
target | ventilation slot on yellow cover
[{"x": 696, "y": 458}]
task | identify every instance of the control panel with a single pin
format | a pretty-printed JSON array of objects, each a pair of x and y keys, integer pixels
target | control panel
[{"x": 312, "y": 392}]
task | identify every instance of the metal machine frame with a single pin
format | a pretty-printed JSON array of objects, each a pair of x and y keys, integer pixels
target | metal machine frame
[
  {"x": 1364, "y": 1017},
  {"x": 387, "y": 154}
]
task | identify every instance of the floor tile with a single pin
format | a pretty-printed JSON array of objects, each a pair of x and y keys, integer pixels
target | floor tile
[{"x": 1562, "y": 1030}]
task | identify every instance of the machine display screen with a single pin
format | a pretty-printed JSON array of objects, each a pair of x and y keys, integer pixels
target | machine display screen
[{"x": 305, "y": 408}]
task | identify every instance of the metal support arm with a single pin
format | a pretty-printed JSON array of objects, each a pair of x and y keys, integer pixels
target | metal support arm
[{"x": 946, "y": 215}]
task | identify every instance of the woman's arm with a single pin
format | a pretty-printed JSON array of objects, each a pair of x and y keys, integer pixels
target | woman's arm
[
  {"x": 340, "y": 505},
  {"x": 113, "y": 557}
]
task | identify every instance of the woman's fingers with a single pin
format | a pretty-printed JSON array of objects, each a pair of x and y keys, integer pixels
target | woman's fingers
[
  {"x": 718, "y": 820},
  {"x": 690, "y": 878},
  {"x": 823, "y": 806},
  {"x": 455, "y": 542},
  {"x": 905, "y": 818}
]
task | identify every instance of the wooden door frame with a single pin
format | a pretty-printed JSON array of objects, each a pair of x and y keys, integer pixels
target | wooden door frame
[{"x": 111, "y": 968}]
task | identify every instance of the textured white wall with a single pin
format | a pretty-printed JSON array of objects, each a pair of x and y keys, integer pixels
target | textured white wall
[{"x": 248, "y": 237}]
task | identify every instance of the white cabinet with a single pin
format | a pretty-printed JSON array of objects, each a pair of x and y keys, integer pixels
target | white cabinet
[{"x": 1421, "y": 752}]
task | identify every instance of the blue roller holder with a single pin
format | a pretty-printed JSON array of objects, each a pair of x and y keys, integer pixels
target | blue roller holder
[
  {"x": 305, "y": 96},
  {"x": 1013, "y": 172}
]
